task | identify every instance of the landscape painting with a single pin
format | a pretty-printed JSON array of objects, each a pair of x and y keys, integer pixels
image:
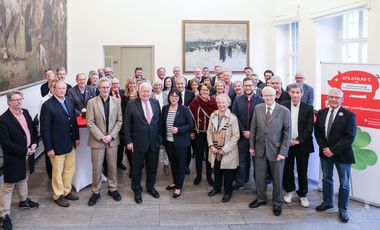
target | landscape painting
[
  {"x": 210, "y": 43},
  {"x": 32, "y": 39}
]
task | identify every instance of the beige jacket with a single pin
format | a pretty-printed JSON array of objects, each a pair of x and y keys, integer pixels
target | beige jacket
[
  {"x": 230, "y": 160},
  {"x": 96, "y": 121}
]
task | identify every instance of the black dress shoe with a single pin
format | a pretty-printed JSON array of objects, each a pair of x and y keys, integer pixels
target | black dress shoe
[
  {"x": 153, "y": 192},
  {"x": 344, "y": 217},
  {"x": 197, "y": 180},
  {"x": 115, "y": 195},
  {"x": 122, "y": 167},
  {"x": 276, "y": 210},
  {"x": 171, "y": 187},
  {"x": 187, "y": 171},
  {"x": 176, "y": 195},
  {"x": 323, "y": 207},
  {"x": 138, "y": 198},
  {"x": 256, "y": 203},
  {"x": 93, "y": 199},
  {"x": 213, "y": 192},
  {"x": 226, "y": 198}
]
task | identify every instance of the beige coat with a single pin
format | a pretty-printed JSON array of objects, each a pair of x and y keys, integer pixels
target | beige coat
[
  {"x": 230, "y": 159},
  {"x": 96, "y": 121}
]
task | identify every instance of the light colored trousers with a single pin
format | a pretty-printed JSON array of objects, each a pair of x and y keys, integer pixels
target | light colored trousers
[
  {"x": 6, "y": 190},
  {"x": 63, "y": 169},
  {"x": 97, "y": 158}
]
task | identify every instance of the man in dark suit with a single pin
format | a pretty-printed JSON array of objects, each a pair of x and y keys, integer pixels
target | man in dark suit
[
  {"x": 308, "y": 91},
  {"x": 228, "y": 85},
  {"x": 269, "y": 143},
  {"x": 281, "y": 94},
  {"x": 142, "y": 135},
  {"x": 18, "y": 139},
  {"x": 60, "y": 73},
  {"x": 45, "y": 87},
  {"x": 60, "y": 134},
  {"x": 335, "y": 131},
  {"x": 243, "y": 108},
  {"x": 217, "y": 70},
  {"x": 81, "y": 93},
  {"x": 301, "y": 145}
]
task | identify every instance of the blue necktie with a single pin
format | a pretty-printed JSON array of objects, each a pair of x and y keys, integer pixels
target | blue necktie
[{"x": 65, "y": 107}]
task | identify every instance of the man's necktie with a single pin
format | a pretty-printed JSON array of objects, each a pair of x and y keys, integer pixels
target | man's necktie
[
  {"x": 329, "y": 123},
  {"x": 267, "y": 116},
  {"x": 148, "y": 115},
  {"x": 117, "y": 94}
]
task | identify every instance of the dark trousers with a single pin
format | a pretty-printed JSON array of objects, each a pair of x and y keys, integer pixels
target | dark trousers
[
  {"x": 225, "y": 176},
  {"x": 178, "y": 159},
  {"x": 302, "y": 164},
  {"x": 48, "y": 164},
  {"x": 151, "y": 161},
  {"x": 201, "y": 152},
  {"x": 242, "y": 172},
  {"x": 129, "y": 157},
  {"x": 120, "y": 153}
]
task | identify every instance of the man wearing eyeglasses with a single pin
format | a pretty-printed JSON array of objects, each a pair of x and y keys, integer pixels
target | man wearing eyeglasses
[
  {"x": 18, "y": 139},
  {"x": 308, "y": 91},
  {"x": 243, "y": 108},
  {"x": 335, "y": 131}
]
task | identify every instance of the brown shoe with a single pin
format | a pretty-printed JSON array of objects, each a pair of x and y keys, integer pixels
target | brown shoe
[
  {"x": 71, "y": 196},
  {"x": 166, "y": 170},
  {"x": 61, "y": 201}
]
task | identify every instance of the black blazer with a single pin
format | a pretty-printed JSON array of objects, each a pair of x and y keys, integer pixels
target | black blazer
[
  {"x": 341, "y": 136},
  {"x": 183, "y": 121},
  {"x": 305, "y": 126},
  {"x": 239, "y": 108},
  {"x": 13, "y": 143},
  {"x": 138, "y": 131},
  {"x": 59, "y": 130},
  {"x": 77, "y": 98},
  {"x": 231, "y": 92},
  {"x": 44, "y": 89},
  {"x": 189, "y": 96}
]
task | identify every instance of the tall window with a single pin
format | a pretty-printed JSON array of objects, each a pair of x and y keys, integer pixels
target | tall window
[
  {"x": 293, "y": 29},
  {"x": 354, "y": 36}
]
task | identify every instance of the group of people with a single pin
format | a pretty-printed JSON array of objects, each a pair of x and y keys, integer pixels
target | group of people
[{"x": 169, "y": 120}]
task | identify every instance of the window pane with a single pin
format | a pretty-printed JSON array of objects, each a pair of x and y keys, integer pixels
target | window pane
[
  {"x": 351, "y": 25},
  {"x": 351, "y": 52},
  {"x": 365, "y": 23},
  {"x": 364, "y": 52}
]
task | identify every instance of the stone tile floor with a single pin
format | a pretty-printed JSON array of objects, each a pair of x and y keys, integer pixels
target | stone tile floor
[{"x": 193, "y": 210}]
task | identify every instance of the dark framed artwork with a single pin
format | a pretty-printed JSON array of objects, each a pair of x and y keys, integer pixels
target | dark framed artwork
[
  {"x": 210, "y": 43},
  {"x": 32, "y": 39}
]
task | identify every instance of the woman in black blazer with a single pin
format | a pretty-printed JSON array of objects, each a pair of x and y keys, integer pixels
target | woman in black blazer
[{"x": 176, "y": 125}]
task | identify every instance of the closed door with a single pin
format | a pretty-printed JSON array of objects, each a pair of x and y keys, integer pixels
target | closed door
[{"x": 132, "y": 57}]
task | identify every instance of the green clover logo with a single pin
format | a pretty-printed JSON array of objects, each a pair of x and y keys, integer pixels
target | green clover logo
[{"x": 363, "y": 157}]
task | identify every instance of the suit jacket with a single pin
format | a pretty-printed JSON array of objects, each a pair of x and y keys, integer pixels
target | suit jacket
[
  {"x": 79, "y": 101},
  {"x": 341, "y": 136},
  {"x": 274, "y": 138},
  {"x": 96, "y": 121},
  {"x": 138, "y": 131},
  {"x": 14, "y": 145},
  {"x": 183, "y": 121},
  {"x": 121, "y": 93},
  {"x": 164, "y": 98},
  {"x": 231, "y": 91},
  {"x": 239, "y": 108},
  {"x": 308, "y": 93},
  {"x": 44, "y": 89},
  {"x": 59, "y": 130},
  {"x": 189, "y": 96},
  {"x": 284, "y": 97},
  {"x": 305, "y": 126}
]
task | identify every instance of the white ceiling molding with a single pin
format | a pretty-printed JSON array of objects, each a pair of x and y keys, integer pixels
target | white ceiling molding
[
  {"x": 340, "y": 9},
  {"x": 286, "y": 15}
]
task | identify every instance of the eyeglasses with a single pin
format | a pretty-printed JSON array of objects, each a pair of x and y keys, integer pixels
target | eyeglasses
[
  {"x": 19, "y": 99},
  {"x": 248, "y": 85},
  {"x": 333, "y": 97}
]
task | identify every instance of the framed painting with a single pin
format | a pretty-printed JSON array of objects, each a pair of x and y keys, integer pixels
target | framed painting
[
  {"x": 211, "y": 43},
  {"x": 32, "y": 39}
]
